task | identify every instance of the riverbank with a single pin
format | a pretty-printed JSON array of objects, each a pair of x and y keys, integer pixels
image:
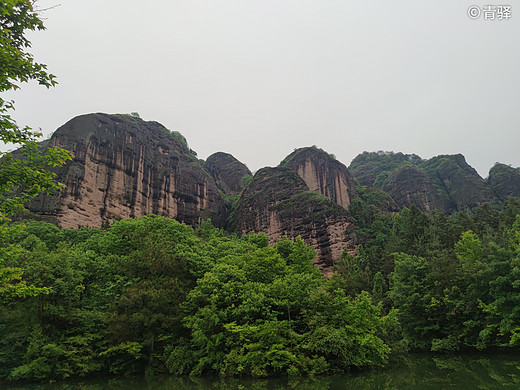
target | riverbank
[{"x": 416, "y": 371}]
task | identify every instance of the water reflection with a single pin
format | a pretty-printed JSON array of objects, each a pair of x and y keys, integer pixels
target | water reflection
[{"x": 412, "y": 372}]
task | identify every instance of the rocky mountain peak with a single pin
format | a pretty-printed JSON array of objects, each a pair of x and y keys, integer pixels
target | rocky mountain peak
[
  {"x": 126, "y": 167},
  {"x": 446, "y": 182},
  {"x": 278, "y": 202},
  {"x": 464, "y": 187},
  {"x": 228, "y": 172},
  {"x": 372, "y": 168},
  {"x": 504, "y": 181},
  {"x": 322, "y": 173}
]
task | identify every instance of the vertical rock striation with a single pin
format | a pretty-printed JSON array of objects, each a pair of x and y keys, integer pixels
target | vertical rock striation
[
  {"x": 322, "y": 173},
  {"x": 126, "y": 167},
  {"x": 278, "y": 202}
]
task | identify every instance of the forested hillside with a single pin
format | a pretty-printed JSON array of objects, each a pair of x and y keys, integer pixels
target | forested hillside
[{"x": 152, "y": 295}]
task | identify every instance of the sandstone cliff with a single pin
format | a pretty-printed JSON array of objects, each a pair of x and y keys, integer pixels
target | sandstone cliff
[
  {"x": 279, "y": 203},
  {"x": 227, "y": 171},
  {"x": 322, "y": 173},
  {"x": 126, "y": 167}
]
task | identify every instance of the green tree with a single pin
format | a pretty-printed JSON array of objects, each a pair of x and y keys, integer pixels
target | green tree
[
  {"x": 469, "y": 251},
  {"x": 268, "y": 312},
  {"x": 24, "y": 174}
]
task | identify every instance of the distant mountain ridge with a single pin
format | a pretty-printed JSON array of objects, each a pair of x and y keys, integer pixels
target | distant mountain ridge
[
  {"x": 446, "y": 182},
  {"x": 126, "y": 167}
]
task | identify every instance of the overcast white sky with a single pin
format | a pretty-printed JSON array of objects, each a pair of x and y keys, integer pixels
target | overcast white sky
[{"x": 258, "y": 78}]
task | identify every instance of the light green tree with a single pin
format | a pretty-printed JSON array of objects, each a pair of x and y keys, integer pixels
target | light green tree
[{"x": 26, "y": 173}]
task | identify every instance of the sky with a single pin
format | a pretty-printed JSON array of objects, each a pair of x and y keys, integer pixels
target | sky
[{"x": 259, "y": 78}]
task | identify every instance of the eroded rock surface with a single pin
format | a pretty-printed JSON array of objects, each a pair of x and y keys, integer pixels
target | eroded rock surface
[
  {"x": 446, "y": 183},
  {"x": 278, "y": 202},
  {"x": 464, "y": 187},
  {"x": 126, "y": 167},
  {"x": 322, "y": 173},
  {"x": 411, "y": 186}
]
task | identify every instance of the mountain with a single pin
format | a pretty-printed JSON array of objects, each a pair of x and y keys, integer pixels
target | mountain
[
  {"x": 504, "y": 181},
  {"x": 463, "y": 186},
  {"x": 279, "y": 203},
  {"x": 446, "y": 182},
  {"x": 372, "y": 168},
  {"x": 125, "y": 167},
  {"x": 229, "y": 173},
  {"x": 322, "y": 173},
  {"x": 410, "y": 185},
  {"x": 307, "y": 195}
]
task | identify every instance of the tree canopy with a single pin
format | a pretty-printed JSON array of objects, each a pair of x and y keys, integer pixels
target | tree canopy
[{"x": 25, "y": 174}]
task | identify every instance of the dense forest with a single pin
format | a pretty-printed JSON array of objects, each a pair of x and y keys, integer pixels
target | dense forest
[{"x": 152, "y": 295}]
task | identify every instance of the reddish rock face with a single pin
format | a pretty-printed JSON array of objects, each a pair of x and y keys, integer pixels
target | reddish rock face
[
  {"x": 323, "y": 174},
  {"x": 126, "y": 167},
  {"x": 279, "y": 203}
]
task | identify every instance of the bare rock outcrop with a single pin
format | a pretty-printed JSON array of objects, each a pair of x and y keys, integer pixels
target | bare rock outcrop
[
  {"x": 322, "y": 173},
  {"x": 279, "y": 203},
  {"x": 126, "y": 167}
]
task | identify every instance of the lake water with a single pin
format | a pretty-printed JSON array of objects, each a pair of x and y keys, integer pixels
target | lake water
[{"x": 414, "y": 372}]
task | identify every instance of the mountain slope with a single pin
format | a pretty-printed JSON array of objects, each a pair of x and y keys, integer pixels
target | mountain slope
[
  {"x": 504, "y": 181},
  {"x": 322, "y": 173}
]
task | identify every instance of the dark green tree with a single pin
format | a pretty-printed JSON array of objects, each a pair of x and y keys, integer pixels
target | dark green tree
[{"x": 26, "y": 174}]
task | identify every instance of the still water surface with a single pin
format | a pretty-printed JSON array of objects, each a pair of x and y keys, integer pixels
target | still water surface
[{"x": 414, "y": 372}]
